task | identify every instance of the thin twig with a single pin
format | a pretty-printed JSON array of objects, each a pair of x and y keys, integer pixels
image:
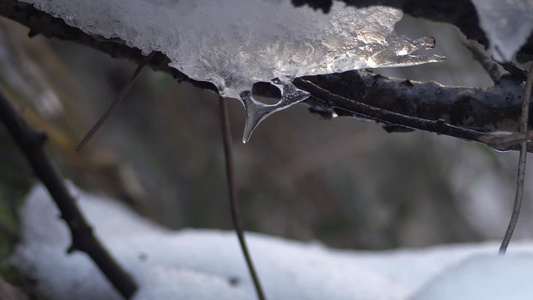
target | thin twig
[
  {"x": 115, "y": 103},
  {"x": 234, "y": 203},
  {"x": 508, "y": 140},
  {"x": 390, "y": 117},
  {"x": 490, "y": 66},
  {"x": 514, "y": 71},
  {"x": 521, "y": 163},
  {"x": 31, "y": 142}
]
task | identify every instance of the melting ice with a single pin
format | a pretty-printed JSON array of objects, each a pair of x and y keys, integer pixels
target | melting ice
[{"x": 235, "y": 43}]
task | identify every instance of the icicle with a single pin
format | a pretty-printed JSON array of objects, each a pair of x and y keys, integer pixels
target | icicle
[{"x": 257, "y": 111}]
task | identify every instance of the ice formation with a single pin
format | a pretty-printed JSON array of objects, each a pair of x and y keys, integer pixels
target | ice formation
[
  {"x": 507, "y": 24},
  {"x": 235, "y": 43},
  {"x": 208, "y": 264}
]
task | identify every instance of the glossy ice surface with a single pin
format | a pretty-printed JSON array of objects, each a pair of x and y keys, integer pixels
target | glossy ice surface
[{"x": 235, "y": 43}]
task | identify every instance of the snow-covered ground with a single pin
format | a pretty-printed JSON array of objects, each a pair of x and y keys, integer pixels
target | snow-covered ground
[{"x": 207, "y": 264}]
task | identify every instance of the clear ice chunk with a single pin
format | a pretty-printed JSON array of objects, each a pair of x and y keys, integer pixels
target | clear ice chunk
[
  {"x": 235, "y": 43},
  {"x": 257, "y": 111}
]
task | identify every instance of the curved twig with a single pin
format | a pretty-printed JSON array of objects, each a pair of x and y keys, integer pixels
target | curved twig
[{"x": 521, "y": 163}]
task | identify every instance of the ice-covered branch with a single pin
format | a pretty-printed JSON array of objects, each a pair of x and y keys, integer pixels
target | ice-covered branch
[
  {"x": 482, "y": 110},
  {"x": 505, "y": 23},
  {"x": 41, "y": 23},
  {"x": 236, "y": 43},
  {"x": 460, "y": 13}
]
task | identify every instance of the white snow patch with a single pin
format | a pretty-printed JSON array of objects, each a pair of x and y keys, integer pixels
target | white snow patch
[
  {"x": 487, "y": 277},
  {"x": 207, "y": 264}
]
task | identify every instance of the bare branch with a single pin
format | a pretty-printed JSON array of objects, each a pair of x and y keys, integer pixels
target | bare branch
[
  {"x": 483, "y": 110},
  {"x": 496, "y": 108},
  {"x": 30, "y": 142},
  {"x": 521, "y": 163},
  {"x": 485, "y": 60},
  {"x": 396, "y": 104},
  {"x": 514, "y": 71}
]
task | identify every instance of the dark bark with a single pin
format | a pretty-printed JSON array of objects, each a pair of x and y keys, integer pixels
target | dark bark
[
  {"x": 495, "y": 108},
  {"x": 31, "y": 143},
  {"x": 328, "y": 104}
]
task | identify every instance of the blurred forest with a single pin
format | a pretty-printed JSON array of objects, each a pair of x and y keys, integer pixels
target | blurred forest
[{"x": 345, "y": 183}]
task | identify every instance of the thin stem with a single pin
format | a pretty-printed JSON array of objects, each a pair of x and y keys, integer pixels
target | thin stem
[
  {"x": 490, "y": 66},
  {"x": 521, "y": 163},
  {"x": 115, "y": 103},
  {"x": 234, "y": 203},
  {"x": 31, "y": 143},
  {"x": 390, "y": 117}
]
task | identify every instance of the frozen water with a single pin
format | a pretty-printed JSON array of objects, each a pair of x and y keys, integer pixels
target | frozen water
[
  {"x": 208, "y": 264},
  {"x": 256, "y": 111},
  {"x": 235, "y": 43},
  {"x": 507, "y": 24}
]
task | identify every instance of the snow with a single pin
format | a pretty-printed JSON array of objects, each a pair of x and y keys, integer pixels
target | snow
[
  {"x": 207, "y": 264},
  {"x": 484, "y": 277},
  {"x": 507, "y": 24},
  {"x": 235, "y": 43}
]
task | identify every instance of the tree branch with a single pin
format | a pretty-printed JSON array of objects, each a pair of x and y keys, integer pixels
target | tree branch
[
  {"x": 467, "y": 113},
  {"x": 521, "y": 163},
  {"x": 30, "y": 142},
  {"x": 482, "y": 110},
  {"x": 42, "y": 23},
  {"x": 359, "y": 109},
  {"x": 490, "y": 66},
  {"x": 496, "y": 108}
]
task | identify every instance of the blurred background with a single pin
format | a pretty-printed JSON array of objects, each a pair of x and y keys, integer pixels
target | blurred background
[{"x": 343, "y": 182}]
